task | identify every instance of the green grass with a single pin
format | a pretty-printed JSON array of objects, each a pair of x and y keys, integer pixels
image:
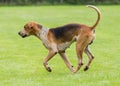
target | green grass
[{"x": 21, "y": 59}]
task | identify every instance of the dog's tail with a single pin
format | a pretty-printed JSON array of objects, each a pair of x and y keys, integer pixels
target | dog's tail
[{"x": 99, "y": 14}]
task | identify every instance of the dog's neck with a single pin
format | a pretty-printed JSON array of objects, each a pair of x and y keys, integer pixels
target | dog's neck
[{"x": 43, "y": 33}]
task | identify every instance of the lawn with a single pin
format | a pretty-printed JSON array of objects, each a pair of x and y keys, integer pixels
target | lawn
[{"x": 21, "y": 59}]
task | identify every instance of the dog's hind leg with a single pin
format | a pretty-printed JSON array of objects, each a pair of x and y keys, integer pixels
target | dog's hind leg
[
  {"x": 67, "y": 62},
  {"x": 81, "y": 44},
  {"x": 49, "y": 56},
  {"x": 79, "y": 50},
  {"x": 90, "y": 56},
  {"x": 80, "y": 57}
]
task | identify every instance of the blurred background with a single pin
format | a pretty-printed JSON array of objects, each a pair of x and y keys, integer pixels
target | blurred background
[{"x": 56, "y": 2}]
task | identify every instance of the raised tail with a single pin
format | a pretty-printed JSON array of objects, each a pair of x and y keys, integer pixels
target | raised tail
[{"x": 99, "y": 15}]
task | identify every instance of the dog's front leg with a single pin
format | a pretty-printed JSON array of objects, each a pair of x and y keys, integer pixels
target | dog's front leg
[
  {"x": 67, "y": 62},
  {"x": 49, "y": 56}
]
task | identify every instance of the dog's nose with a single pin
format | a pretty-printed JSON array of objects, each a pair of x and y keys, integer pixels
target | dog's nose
[{"x": 19, "y": 33}]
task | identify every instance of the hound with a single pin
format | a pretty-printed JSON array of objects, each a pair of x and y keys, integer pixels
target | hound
[{"x": 58, "y": 39}]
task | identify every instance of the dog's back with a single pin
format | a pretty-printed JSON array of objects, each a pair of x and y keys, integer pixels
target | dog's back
[{"x": 66, "y": 33}]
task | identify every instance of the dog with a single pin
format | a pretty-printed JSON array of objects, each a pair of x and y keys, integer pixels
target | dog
[{"x": 58, "y": 39}]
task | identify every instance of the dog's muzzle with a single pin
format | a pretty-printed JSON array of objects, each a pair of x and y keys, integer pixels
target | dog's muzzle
[{"x": 22, "y": 35}]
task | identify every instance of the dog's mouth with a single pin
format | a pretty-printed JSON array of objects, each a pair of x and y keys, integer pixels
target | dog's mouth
[{"x": 23, "y": 35}]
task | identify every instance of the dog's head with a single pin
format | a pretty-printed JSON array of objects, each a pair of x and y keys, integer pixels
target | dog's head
[{"x": 30, "y": 28}]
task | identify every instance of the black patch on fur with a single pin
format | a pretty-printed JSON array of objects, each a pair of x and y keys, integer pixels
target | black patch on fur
[{"x": 64, "y": 32}]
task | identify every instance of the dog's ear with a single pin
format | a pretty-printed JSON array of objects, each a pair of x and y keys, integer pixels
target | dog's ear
[{"x": 39, "y": 26}]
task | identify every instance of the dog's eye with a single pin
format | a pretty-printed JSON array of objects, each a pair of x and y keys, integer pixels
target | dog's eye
[{"x": 31, "y": 27}]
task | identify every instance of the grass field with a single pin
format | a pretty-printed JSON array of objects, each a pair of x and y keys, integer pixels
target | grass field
[{"x": 21, "y": 59}]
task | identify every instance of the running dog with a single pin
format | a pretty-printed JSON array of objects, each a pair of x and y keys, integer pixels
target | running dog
[{"x": 58, "y": 39}]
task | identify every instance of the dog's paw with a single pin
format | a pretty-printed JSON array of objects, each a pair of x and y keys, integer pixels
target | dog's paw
[
  {"x": 74, "y": 71},
  {"x": 49, "y": 69},
  {"x": 86, "y": 68}
]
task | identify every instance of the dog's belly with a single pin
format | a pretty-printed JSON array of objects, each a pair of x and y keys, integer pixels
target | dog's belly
[{"x": 63, "y": 46}]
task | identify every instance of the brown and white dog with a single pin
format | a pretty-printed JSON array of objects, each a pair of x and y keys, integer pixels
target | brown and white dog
[{"x": 58, "y": 39}]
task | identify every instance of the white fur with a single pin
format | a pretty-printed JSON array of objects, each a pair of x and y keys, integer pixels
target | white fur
[{"x": 43, "y": 37}]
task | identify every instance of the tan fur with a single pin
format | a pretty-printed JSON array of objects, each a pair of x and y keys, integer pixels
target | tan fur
[{"x": 58, "y": 39}]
